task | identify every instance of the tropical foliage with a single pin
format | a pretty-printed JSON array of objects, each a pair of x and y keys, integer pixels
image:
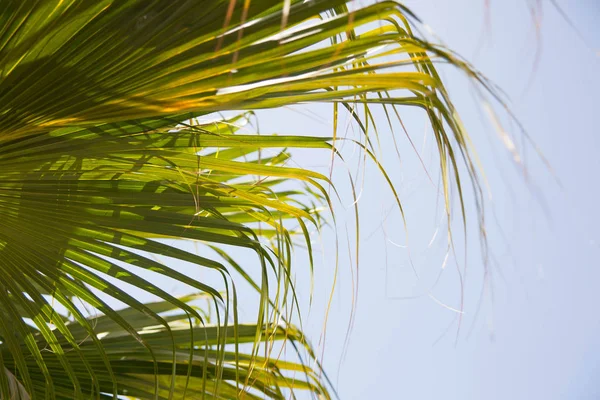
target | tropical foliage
[{"x": 104, "y": 160}]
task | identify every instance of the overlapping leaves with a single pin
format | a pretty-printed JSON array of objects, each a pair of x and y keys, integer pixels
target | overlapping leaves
[{"x": 100, "y": 158}]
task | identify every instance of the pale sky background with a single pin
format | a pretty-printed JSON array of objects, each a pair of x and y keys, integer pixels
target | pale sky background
[
  {"x": 537, "y": 334},
  {"x": 531, "y": 326}
]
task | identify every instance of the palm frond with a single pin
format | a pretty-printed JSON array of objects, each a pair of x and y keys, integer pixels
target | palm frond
[
  {"x": 102, "y": 157},
  {"x": 200, "y": 369}
]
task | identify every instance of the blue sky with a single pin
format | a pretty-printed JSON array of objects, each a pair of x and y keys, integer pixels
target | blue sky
[{"x": 531, "y": 328}]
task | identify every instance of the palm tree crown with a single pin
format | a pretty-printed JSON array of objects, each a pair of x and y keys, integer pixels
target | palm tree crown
[{"x": 102, "y": 156}]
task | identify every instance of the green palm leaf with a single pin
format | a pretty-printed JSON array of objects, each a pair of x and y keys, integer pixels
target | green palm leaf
[
  {"x": 102, "y": 157},
  {"x": 133, "y": 368}
]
